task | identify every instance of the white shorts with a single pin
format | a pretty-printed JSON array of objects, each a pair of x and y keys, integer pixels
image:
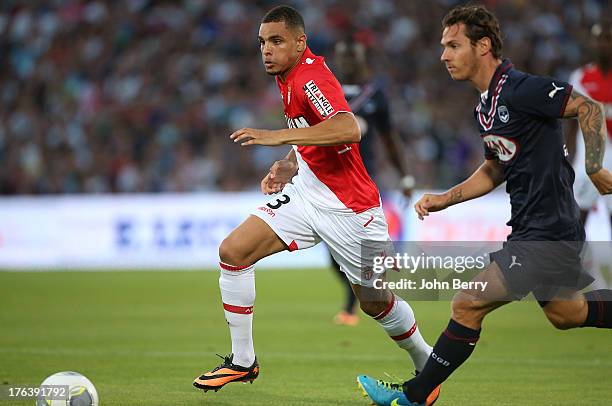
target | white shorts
[
  {"x": 350, "y": 237},
  {"x": 584, "y": 191}
]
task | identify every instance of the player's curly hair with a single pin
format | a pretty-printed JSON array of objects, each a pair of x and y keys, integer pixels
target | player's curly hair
[
  {"x": 479, "y": 23},
  {"x": 287, "y": 14}
]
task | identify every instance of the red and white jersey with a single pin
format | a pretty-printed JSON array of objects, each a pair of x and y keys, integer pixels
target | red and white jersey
[
  {"x": 332, "y": 177},
  {"x": 591, "y": 81}
]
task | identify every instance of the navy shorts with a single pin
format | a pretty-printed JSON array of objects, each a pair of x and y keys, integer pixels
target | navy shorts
[{"x": 543, "y": 263}]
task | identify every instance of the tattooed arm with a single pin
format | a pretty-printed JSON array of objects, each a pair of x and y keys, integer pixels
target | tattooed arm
[
  {"x": 486, "y": 178},
  {"x": 592, "y": 122},
  {"x": 590, "y": 116}
]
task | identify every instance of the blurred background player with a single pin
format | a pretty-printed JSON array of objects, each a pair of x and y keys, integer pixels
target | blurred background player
[
  {"x": 595, "y": 81},
  {"x": 369, "y": 103}
]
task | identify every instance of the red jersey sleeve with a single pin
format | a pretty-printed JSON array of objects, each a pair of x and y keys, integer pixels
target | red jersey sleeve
[{"x": 322, "y": 95}]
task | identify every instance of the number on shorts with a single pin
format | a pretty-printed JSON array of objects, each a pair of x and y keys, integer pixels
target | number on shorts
[{"x": 279, "y": 202}]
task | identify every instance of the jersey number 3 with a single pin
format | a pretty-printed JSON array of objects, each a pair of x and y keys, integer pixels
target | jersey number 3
[{"x": 279, "y": 202}]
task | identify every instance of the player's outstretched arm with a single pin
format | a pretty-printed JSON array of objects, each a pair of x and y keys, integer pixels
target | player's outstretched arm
[
  {"x": 338, "y": 130},
  {"x": 591, "y": 118},
  {"x": 486, "y": 178}
]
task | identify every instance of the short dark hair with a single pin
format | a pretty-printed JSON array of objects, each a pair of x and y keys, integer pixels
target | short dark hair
[
  {"x": 479, "y": 23},
  {"x": 287, "y": 14}
]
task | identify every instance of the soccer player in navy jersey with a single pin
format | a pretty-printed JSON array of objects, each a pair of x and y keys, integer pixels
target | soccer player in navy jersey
[{"x": 518, "y": 119}]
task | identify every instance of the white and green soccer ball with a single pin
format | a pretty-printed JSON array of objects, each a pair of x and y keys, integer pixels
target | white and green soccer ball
[{"x": 81, "y": 392}]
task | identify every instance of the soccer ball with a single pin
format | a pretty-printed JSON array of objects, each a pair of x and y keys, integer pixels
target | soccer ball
[{"x": 81, "y": 392}]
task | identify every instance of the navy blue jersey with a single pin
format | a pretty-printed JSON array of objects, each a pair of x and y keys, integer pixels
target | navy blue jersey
[
  {"x": 370, "y": 106},
  {"x": 519, "y": 124}
]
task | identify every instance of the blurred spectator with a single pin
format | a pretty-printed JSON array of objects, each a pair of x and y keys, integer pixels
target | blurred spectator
[{"x": 141, "y": 95}]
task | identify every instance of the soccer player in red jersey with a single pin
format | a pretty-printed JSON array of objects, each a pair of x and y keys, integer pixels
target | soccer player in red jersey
[
  {"x": 593, "y": 80},
  {"x": 331, "y": 198}
]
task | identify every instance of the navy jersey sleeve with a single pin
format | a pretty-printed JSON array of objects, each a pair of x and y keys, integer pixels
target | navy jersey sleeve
[
  {"x": 382, "y": 116},
  {"x": 541, "y": 96}
]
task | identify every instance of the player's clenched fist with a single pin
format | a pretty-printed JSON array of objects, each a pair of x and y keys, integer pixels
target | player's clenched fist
[
  {"x": 602, "y": 179},
  {"x": 280, "y": 174},
  {"x": 430, "y": 202}
]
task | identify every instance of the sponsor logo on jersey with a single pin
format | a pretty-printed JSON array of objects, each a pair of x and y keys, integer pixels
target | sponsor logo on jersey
[
  {"x": 505, "y": 148},
  {"x": 297, "y": 122},
  {"x": 504, "y": 115},
  {"x": 309, "y": 61},
  {"x": 267, "y": 210},
  {"x": 318, "y": 99}
]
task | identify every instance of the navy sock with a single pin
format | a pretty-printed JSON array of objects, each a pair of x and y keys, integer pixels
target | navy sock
[
  {"x": 600, "y": 308},
  {"x": 349, "y": 297},
  {"x": 454, "y": 346}
]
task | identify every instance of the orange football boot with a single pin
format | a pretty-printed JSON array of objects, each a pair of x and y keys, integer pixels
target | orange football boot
[
  {"x": 433, "y": 396},
  {"x": 225, "y": 373}
]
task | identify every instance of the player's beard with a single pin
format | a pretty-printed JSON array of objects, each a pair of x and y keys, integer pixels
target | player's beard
[
  {"x": 461, "y": 74},
  {"x": 474, "y": 66},
  {"x": 471, "y": 68}
]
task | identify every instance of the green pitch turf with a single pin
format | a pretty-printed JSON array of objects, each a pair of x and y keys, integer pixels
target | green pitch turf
[{"x": 142, "y": 337}]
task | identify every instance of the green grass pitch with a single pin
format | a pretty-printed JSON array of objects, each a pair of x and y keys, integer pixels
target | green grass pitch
[{"x": 142, "y": 337}]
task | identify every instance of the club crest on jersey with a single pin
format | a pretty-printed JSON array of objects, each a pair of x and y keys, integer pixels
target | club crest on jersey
[
  {"x": 318, "y": 99},
  {"x": 505, "y": 148},
  {"x": 504, "y": 115},
  {"x": 367, "y": 273}
]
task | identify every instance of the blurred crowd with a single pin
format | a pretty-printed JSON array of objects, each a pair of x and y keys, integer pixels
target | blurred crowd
[{"x": 141, "y": 95}]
